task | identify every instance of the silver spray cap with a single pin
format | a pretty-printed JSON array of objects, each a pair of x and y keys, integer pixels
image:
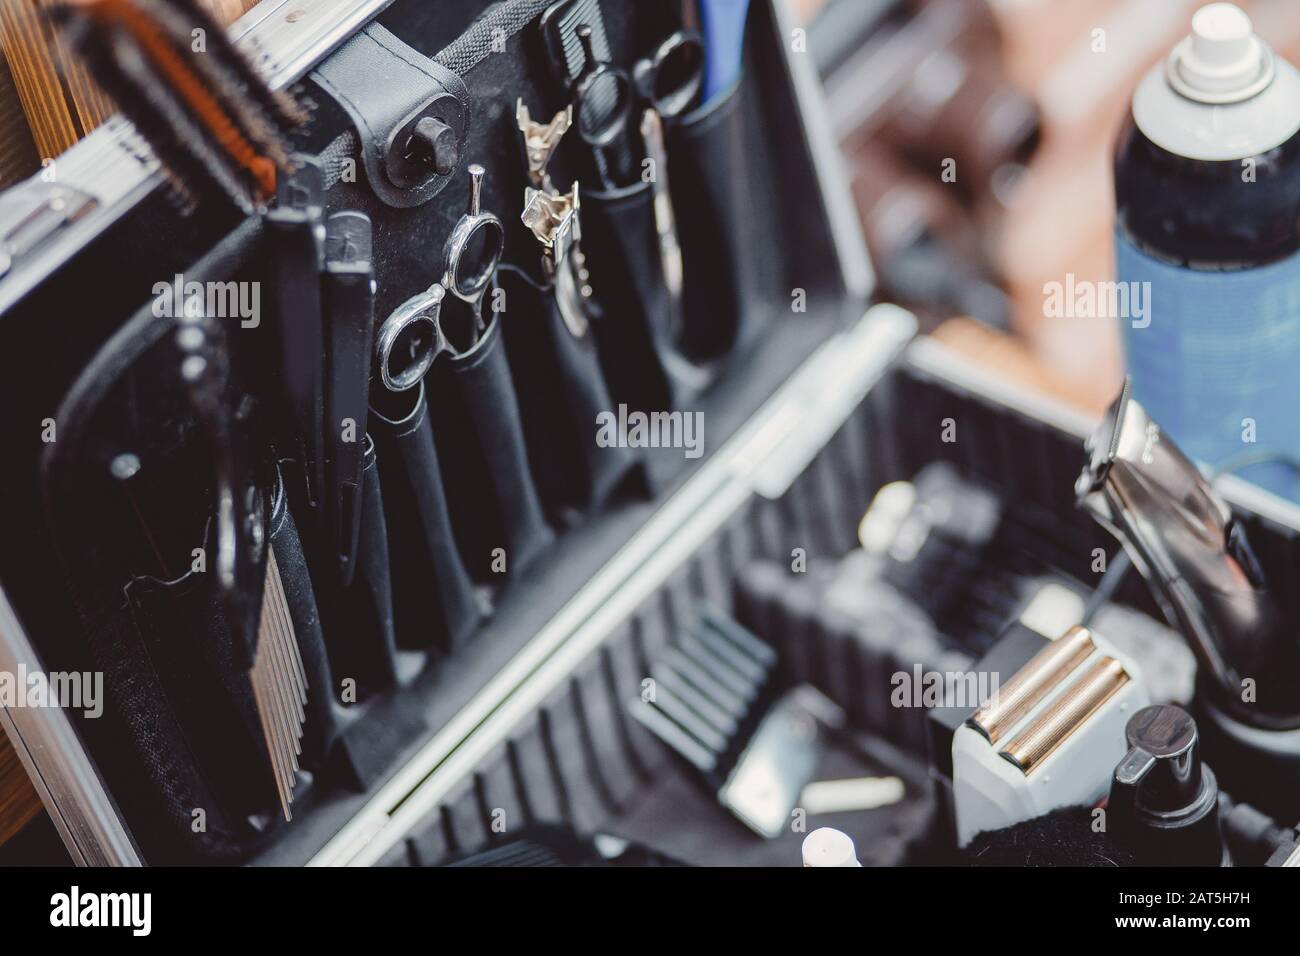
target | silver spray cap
[
  {"x": 1223, "y": 61},
  {"x": 1222, "y": 94}
]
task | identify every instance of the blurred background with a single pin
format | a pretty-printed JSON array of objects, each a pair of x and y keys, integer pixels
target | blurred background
[{"x": 1028, "y": 97}]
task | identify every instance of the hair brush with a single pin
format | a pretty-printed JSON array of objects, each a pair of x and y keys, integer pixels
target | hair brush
[{"x": 213, "y": 122}]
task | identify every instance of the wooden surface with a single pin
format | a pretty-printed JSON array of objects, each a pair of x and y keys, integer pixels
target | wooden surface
[
  {"x": 18, "y": 801},
  {"x": 17, "y": 150},
  {"x": 56, "y": 94},
  {"x": 34, "y": 61}
]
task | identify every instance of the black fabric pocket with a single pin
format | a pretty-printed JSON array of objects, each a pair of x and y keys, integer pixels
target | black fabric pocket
[
  {"x": 374, "y": 660},
  {"x": 562, "y": 390},
  {"x": 191, "y": 706},
  {"x": 173, "y": 779},
  {"x": 495, "y": 508},
  {"x": 324, "y": 716},
  {"x": 712, "y": 191},
  {"x": 188, "y": 646},
  {"x": 636, "y": 326},
  {"x": 434, "y": 602}
]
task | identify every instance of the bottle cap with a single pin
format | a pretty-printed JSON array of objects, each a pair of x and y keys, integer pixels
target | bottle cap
[
  {"x": 829, "y": 847},
  {"x": 1164, "y": 760},
  {"x": 1223, "y": 61},
  {"x": 1204, "y": 102}
]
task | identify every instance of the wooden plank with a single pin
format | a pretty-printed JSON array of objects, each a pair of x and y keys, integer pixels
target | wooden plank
[
  {"x": 26, "y": 40},
  {"x": 17, "y": 150},
  {"x": 89, "y": 103},
  {"x": 61, "y": 101},
  {"x": 18, "y": 800}
]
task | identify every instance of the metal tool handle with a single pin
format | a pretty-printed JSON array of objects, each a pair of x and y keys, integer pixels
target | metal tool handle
[
  {"x": 478, "y": 239},
  {"x": 605, "y": 130},
  {"x": 670, "y": 79},
  {"x": 422, "y": 309}
]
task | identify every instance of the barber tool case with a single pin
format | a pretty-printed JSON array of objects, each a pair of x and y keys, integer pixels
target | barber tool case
[{"x": 515, "y": 577}]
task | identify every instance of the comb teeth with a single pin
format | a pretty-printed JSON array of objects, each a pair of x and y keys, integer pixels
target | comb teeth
[
  {"x": 279, "y": 686},
  {"x": 209, "y": 117}
]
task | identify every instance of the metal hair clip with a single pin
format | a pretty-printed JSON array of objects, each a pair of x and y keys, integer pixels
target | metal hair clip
[
  {"x": 541, "y": 141},
  {"x": 553, "y": 221},
  {"x": 552, "y": 218}
]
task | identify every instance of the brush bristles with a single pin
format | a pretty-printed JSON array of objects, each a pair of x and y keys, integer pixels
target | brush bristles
[
  {"x": 279, "y": 686},
  {"x": 279, "y": 105},
  {"x": 240, "y": 91},
  {"x": 209, "y": 116}
]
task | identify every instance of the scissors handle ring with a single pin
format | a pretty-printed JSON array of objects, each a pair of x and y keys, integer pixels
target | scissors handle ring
[
  {"x": 422, "y": 308},
  {"x": 669, "y": 80},
  {"x": 460, "y": 242}
]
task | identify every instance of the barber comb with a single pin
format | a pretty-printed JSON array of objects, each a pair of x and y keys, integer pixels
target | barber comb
[
  {"x": 248, "y": 580},
  {"x": 211, "y": 119}
]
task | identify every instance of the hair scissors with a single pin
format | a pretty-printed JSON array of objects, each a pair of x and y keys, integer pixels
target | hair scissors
[
  {"x": 605, "y": 96},
  {"x": 668, "y": 82},
  {"x": 412, "y": 337},
  {"x": 669, "y": 79},
  {"x": 473, "y": 250}
]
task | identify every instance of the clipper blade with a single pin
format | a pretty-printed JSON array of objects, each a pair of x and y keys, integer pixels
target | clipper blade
[
  {"x": 1065, "y": 715},
  {"x": 1032, "y": 683}
]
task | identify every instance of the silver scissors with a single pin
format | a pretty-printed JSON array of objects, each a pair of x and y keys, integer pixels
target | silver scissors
[
  {"x": 473, "y": 250},
  {"x": 669, "y": 79},
  {"x": 668, "y": 82},
  {"x": 412, "y": 337}
]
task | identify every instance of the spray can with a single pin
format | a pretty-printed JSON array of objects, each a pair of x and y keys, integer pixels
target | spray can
[{"x": 1207, "y": 184}]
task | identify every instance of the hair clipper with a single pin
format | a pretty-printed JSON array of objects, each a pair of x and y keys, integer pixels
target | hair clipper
[
  {"x": 1185, "y": 541},
  {"x": 1183, "y": 538}
]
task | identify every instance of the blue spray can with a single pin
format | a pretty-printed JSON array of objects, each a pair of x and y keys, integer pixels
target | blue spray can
[{"x": 1207, "y": 186}]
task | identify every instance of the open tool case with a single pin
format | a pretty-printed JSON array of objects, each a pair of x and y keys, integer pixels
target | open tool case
[{"x": 483, "y": 696}]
